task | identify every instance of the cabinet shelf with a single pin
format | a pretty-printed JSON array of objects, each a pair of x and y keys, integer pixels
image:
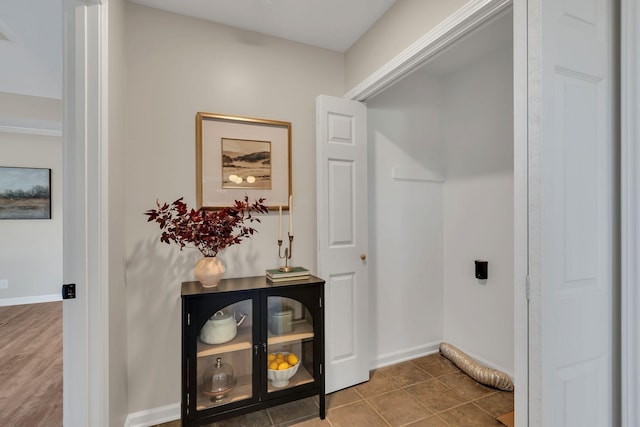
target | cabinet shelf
[
  {"x": 241, "y": 391},
  {"x": 242, "y": 341},
  {"x": 301, "y": 377},
  {"x": 302, "y": 330}
]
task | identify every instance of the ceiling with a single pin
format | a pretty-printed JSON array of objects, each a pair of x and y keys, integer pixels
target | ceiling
[
  {"x": 31, "y": 47},
  {"x": 31, "y": 31},
  {"x": 330, "y": 24}
]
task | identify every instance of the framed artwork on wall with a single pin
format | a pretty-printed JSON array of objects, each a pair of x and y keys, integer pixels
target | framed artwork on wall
[
  {"x": 25, "y": 193},
  {"x": 242, "y": 156}
]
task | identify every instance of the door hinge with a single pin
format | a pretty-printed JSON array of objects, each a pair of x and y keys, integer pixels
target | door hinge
[
  {"x": 320, "y": 301},
  {"x": 528, "y": 288},
  {"x": 187, "y": 402},
  {"x": 188, "y": 318},
  {"x": 321, "y": 369}
]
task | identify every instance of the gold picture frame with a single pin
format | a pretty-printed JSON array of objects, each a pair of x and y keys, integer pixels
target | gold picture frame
[{"x": 242, "y": 156}]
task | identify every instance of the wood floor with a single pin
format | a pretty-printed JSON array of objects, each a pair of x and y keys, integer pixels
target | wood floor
[{"x": 31, "y": 365}]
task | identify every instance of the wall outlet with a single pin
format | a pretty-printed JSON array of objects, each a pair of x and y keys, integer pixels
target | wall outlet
[{"x": 4, "y": 284}]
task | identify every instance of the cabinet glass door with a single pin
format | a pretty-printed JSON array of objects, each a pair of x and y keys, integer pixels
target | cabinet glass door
[
  {"x": 224, "y": 356},
  {"x": 290, "y": 344}
]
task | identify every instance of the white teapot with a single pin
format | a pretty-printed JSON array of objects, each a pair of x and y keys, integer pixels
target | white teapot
[{"x": 220, "y": 328}]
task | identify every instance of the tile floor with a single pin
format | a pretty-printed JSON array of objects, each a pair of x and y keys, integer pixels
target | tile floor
[{"x": 426, "y": 392}]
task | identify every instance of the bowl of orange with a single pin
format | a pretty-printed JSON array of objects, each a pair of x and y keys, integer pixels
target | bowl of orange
[{"x": 282, "y": 366}]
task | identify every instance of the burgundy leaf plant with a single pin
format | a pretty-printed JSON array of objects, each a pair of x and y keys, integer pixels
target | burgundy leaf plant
[{"x": 208, "y": 231}]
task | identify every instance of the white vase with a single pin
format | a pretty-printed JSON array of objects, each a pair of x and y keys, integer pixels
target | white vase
[{"x": 209, "y": 271}]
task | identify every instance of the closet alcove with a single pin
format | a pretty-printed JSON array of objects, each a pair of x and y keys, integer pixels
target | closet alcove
[{"x": 441, "y": 195}]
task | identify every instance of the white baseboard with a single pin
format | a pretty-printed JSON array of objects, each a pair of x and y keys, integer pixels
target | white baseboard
[
  {"x": 167, "y": 413},
  {"x": 30, "y": 300},
  {"x": 394, "y": 357},
  {"x": 484, "y": 362},
  {"x": 150, "y": 417}
]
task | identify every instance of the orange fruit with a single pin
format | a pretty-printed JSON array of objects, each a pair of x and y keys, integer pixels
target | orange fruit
[
  {"x": 273, "y": 365},
  {"x": 271, "y": 357}
]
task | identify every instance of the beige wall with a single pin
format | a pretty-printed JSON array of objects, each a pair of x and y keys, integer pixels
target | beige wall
[
  {"x": 30, "y": 107},
  {"x": 404, "y": 23},
  {"x": 118, "y": 396},
  {"x": 31, "y": 249},
  {"x": 41, "y": 239},
  {"x": 176, "y": 67}
]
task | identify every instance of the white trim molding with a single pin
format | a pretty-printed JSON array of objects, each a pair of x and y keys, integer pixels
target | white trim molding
[
  {"x": 85, "y": 236},
  {"x": 30, "y": 126},
  {"x": 471, "y": 16},
  {"x": 630, "y": 210},
  {"x": 520, "y": 212},
  {"x": 394, "y": 357},
  {"x": 4, "y": 302},
  {"x": 154, "y": 416},
  {"x": 419, "y": 174}
]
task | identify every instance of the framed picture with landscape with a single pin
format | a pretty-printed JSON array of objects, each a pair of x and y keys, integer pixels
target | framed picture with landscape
[
  {"x": 25, "y": 193},
  {"x": 242, "y": 156}
]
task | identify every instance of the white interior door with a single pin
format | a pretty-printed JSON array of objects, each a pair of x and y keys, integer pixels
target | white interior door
[
  {"x": 342, "y": 238},
  {"x": 572, "y": 143}
]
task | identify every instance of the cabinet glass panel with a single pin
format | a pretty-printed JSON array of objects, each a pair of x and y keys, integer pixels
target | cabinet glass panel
[
  {"x": 289, "y": 343},
  {"x": 224, "y": 356}
]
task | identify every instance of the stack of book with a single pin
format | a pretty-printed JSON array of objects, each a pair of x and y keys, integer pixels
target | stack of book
[{"x": 298, "y": 273}]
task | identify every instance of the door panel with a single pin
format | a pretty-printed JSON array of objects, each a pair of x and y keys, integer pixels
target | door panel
[
  {"x": 576, "y": 145},
  {"x": 340, "y": 204},
  {"x": 342, "y": 334},
  {"x": 342, "y": 238}
]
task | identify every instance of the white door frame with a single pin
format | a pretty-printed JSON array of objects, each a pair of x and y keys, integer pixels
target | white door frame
[
  {"x": 85, "y": 170},
  {"x": 521, "y": 213},
  {"x": 630, "y": 221}
]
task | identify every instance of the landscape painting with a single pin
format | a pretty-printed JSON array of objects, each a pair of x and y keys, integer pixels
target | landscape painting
[
  {"x": 25, "y": 193},
  {"x": 246, "y": 164},
  {"x": 238, "y": 157}
]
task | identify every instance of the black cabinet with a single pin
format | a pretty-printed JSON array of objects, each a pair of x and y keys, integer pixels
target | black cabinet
[{"x": 248, "y": 344}]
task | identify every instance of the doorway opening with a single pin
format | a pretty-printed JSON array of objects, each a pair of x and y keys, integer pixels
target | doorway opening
[
  {"x": 441, "y": 143},
  {"x": 441, "y": 197},
  {"x": 31, "y": 255}
]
